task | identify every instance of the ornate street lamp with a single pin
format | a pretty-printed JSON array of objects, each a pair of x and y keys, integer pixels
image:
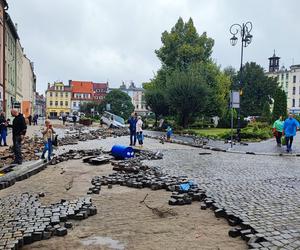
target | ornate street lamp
[{"x": 246, "y": 38}]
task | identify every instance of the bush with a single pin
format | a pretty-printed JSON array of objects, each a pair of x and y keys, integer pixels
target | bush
[{"x": 254, "y": 131}]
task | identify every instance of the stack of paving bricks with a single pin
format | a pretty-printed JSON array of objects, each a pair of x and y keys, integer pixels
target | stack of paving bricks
[{"x": 23, "y": 219}]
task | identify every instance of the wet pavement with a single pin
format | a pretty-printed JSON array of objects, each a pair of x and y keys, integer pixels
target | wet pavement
[
  {"x": 264, "y": 147},
  {"x": 263, "y": 191}
]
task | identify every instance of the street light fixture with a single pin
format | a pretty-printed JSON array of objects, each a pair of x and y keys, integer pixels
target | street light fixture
[{"x": 243, "y": 31}]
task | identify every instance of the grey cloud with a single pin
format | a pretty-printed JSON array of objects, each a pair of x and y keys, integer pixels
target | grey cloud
[{"x": 114, "y": 40}]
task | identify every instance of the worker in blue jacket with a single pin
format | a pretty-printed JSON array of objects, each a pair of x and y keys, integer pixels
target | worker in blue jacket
[
  {"x": 289, "y": 130},
  {"x": 132, "y": 128}
]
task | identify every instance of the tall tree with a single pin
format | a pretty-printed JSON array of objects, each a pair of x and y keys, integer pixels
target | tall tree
[
  {"x": 120, "y": 103},
  {"x": 280, "y": 104},
  {"x": 156, "y": 100},
  {"x": 183, "y": 46},
  {"x": 257, "y": 89},
  {"x": 187, "y": 94}
]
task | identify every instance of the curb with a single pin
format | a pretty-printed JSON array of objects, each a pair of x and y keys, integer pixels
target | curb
[
  {"x": 228, "y": 150},
  {"x": 22, "y": 173}
]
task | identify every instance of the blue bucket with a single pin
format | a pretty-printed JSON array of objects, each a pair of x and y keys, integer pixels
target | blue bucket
[{"x": 122, "y": 152}]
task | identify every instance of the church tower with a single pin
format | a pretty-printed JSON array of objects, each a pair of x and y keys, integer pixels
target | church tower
[{"x": 274, "y": 63}]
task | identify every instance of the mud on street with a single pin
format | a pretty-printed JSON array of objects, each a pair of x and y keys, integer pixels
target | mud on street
[{"x": 122, "y": 221}]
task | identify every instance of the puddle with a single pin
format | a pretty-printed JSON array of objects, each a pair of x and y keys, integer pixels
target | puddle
[{"x": 97, "y": 240}]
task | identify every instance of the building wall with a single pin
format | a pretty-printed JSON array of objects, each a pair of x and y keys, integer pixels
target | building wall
[
  {"x": 40, "y": 105},
  {"x": 82, "y": 92},
  {"x": 10, "y": 69},
  {"x": 289, "y": 81},
  {"x": 28, "y": 87},
  {"x": 58, "y": 99},
  {"x": 99, "y": 91},
  {"x": 1, "y": 54},
  {"x": 19, "y": 71}
]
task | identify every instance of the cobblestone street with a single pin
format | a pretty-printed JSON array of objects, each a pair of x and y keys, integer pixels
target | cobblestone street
[{"x": 261, "y": 190}]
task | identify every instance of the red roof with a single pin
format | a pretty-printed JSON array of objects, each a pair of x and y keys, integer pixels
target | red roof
[{"x": 81, "y": 87}]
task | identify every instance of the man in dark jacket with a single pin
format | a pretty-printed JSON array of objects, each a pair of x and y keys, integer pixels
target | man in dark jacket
[
  {"x": 18, "y": 132},
  {"x": 132, "y": 128}
]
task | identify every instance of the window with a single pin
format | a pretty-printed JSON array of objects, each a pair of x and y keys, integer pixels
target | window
[
  {"x": 50, "y": 93},
  {"x": 294, "y": 79},
  {"x": 74, "y": 104},
  {"x": 61, "y": 94},
  {"x": 61, "y": 103},
  {"x": 56, "y": 94},
  {"x": 56, "y": 103},
  {"x": 294, "y": 90},
  {"x": 51, "y": 103},
  {"x": 287, "y": 75},
  {"x": 293, "y": 103},
  {"x": 67, "y": 94},
  {"x": 66, "y": 103},
  {"x": 282, "y": 75}
]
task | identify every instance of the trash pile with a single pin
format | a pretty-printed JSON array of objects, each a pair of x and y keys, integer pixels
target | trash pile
[{"x": 23, "y": 219}]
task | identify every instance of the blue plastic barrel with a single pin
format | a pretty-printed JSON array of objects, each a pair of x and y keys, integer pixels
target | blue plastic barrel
[{"x": 122, "y": 152}]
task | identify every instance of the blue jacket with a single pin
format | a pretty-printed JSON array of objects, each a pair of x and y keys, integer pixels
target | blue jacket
[
  {"x": 132, "y": 124},
  {"x": 290, "y": 127}
]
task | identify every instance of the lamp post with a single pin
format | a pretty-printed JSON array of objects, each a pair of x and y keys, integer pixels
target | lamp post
[{"x": 243, "y": 30}]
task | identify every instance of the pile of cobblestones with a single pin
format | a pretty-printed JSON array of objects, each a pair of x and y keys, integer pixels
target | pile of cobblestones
[
  {"x": 30, "y": 147},
  {"x": 23, "y": 219},
  {"x": 77, "y": 134}
]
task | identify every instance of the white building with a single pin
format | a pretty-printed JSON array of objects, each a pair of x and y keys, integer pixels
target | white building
[{"x": 288, "y": 80}]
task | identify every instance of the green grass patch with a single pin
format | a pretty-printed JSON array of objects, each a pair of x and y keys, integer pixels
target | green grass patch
[{"x": 208, "y": 132}]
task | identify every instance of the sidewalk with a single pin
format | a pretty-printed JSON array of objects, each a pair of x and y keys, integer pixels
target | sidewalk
[{"x": 268, "y": 147}]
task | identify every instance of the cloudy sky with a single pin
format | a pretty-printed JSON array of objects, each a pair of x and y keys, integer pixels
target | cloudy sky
[{"x": 114, "y": 40}]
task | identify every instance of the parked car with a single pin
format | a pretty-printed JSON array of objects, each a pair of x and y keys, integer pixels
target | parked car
[{"x": 112, "y": 120}]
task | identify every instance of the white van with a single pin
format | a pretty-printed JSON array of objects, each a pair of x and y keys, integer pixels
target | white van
[{"x": 112, "y": 121}]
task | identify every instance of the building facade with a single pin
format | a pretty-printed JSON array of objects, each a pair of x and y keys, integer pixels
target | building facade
[
  {"x": 19, "y": 72},
  {"x": 99, "y": 91},
  {"x": 82, "y": 92},
  {"x": 3, "y": 7},
  {"x": 10, "y": 81},
  {"x": 28, "y": 84},
  {"x": 288, "y": 80},
  {"x": 39, "y": 105},
  {"x": 58, "y": 99}
]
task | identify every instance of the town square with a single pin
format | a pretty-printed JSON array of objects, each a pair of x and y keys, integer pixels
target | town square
[{"x": 149, "y": 125}]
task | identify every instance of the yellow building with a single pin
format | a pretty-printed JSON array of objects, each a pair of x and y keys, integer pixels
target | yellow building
[{"x": 58, "y": 100}]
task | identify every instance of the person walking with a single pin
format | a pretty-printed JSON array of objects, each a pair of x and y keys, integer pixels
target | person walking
[
  {"x": 277, "y": 130},
  {"x": 3, "y": 129},
  {"x": 289, "y": 131},
  {"x": 139, "y": 130},
  {"x": 74, "y": 118},
  {"x": 132, "y": 128},
  {"x": 47, "y": 137},
  {"x": 18, "y": 132}
]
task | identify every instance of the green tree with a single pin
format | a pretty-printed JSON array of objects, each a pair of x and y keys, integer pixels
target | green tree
[
  {"x": 187, "y": 94},
  {"x": 257, "y": 89},
  {"x": 183, "y": 46},
  {"x": 266, "y": 115},
  {"x": 156, "y": 100},
  {"x": 280, "y": 104},
  {"x": 120, "y": 103},
  {"x": 87, "y": 107}
]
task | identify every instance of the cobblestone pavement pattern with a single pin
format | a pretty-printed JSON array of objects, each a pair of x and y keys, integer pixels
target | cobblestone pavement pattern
[
  {"x": 263, "y": 191},
  {"x": 267, "y": 147}
]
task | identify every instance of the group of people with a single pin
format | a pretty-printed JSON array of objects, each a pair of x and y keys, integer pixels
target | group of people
[
  {"x": 284, "y": 131},
  {"x": 19, "y": 128},
  {"x": 136, "y": 130}
]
